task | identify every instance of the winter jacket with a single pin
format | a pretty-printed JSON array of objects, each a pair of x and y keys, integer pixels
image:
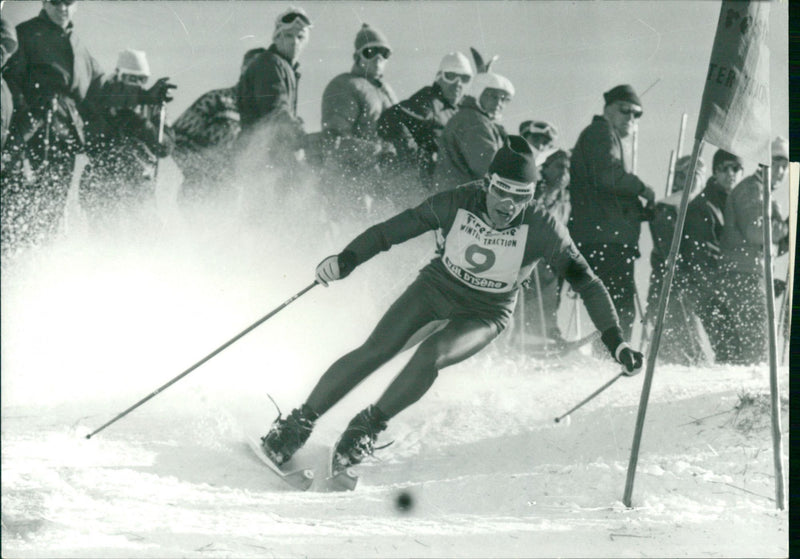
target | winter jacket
[
  {"x": 268, "y": 89},
  {"x": 702, "y": 231},
  {"x": 8, "y": 39},
  {"x": 414, "y": 126},
  {"x": 467, "y": 145},
  {"x": 205, "y": 134},
  {"x": 742, "y": 240},
  {"x": 51, "y": 62},
  {"x": 351, "y": 107},
  {"x": 604, "y": 192}
]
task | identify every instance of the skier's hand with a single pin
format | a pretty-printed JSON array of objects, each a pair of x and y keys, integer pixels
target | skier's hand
[
  {"x": 629, "y": 358},
  {"x": 648, "y": 194},
  {"x": 328, "y": 270}
]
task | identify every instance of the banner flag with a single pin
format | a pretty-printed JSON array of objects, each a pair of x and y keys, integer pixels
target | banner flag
[{"x": 735, "y": 111}]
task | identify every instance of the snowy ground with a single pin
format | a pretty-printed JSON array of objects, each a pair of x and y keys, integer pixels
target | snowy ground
[{"x": 90, "y": 328}]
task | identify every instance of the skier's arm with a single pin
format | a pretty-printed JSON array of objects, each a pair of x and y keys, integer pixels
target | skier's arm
[
  {"x": 567, "y": 262},
  {"x": 406, "y": 225}
]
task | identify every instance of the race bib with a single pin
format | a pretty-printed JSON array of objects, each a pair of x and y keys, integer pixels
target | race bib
[{"x": 482, "y": 257}]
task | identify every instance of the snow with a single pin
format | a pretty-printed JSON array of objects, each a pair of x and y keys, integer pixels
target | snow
[{"x": 91, "y": 327}]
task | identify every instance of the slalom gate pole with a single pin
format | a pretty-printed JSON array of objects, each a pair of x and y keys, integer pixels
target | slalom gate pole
[
  {"x": 162, "y": 117},
  {"x": 774, "y": 389},
  {"x": 590, "y": 396},
  {"x": 681, "y": 135},
  {"x": 659, "y": 324},
  {"x": 204, "y": 359},
  {"x": 670, "y": 173}
]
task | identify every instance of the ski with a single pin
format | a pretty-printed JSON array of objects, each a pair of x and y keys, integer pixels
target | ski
[
  {"x": 298, "y": 479},
  {"x": 559, "y": 348},
  {"x": 340, "y": 480}
]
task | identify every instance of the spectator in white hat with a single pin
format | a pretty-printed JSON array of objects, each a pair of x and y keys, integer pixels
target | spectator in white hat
[
  {"x": 474, "y": 134},
  {"x": 414, "y": 126}
]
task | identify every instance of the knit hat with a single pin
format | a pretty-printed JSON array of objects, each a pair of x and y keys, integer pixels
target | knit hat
[
  {"x": 490, "y": 80},
  {"x": 721, "y": 157},
  {"x": 622, "y": 92},
  {"x": 514, "y": 162},
  {"x": 556, "y": 155},
  {"x": 370, "y": 37},
  {"x": 291, "y": 18},
  {"x": 133, "y": 62},
  {"x": 538, "y": 127},
  {"x": 780, "y": 147}
]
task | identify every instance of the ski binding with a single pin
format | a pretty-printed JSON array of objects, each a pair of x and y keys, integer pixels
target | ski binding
[{"x": 299, "y": 479}]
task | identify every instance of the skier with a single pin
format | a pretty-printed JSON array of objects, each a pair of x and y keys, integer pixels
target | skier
[{"x": 493, "y": 238}]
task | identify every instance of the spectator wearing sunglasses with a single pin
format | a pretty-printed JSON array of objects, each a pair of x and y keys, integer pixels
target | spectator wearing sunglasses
[
  {"x": 744, "y": 319},
  {"x": 681, "y": 337},
  {"x": 271, "y": 130},
  {"x": 352, "y": 103},
  {"x": 699, "y": 267},
  {"x": 474, "y": 134},
  {"x": 205, "y": 136},
  {"x": 50, "y": 76},
  {"x": 457, "y": 305},
  {"x": 607, "y": 198},
  {"x": 117, "y": 186},
  {"x": 414, "y": 126}
]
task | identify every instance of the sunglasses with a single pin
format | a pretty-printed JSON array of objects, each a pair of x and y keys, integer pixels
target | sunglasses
[
  {"x": 629, "y": 112},
  {"x": 452, "y": 77},
  {"x": 291, "y": 16},
  {"x": 371, "y": 52},
  {"x": 500, "y": 96},
  {"x": 503, "y": 190},
  {"x": 132, "y": 79}
]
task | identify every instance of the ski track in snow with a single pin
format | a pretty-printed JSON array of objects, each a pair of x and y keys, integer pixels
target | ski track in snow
[{"x": 489, "y": 472}]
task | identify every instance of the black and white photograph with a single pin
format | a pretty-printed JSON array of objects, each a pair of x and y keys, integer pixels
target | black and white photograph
[{"x": 395, "y": 279}]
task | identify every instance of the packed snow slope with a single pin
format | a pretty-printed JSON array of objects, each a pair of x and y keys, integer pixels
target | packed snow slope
[{"x": 90, "y": 326}]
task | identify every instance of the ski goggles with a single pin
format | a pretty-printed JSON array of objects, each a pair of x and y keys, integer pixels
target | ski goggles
[
  {"x": 371, "y": 52},
  {"x": 61, "y": 2},
  {"x": 291, "y": 16},
  {"x": 517, "y": 192},
  {"x": 539, "y": 127},
  {"x": 452, "y": 77}
]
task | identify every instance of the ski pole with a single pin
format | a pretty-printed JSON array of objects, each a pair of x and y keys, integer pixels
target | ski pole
[
  {"x": 592, "y": 395},
  {"x": 203, "y": 360}
]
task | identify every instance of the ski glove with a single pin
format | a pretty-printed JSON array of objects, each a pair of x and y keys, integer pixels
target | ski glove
[
  {"x": 158, "y": 93},
  {"x": 335, "y": 267},
  {"x": 632, "y": 360}
]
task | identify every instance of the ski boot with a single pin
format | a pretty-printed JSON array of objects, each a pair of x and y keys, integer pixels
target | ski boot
[
  {"x": 288, "y": 434},
  {"x": 358, "y": 440}
]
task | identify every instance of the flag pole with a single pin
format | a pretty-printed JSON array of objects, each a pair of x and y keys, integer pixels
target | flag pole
[
  {"x": 659, "y": 325},
  {"x": 774, "y": 389}
]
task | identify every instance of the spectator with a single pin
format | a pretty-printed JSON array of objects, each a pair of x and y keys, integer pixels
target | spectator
[
  {"x": 204, "y": 143},
  {"x": 681, "y": 336},
  {"x": 352, "y": 103},
  {"x": 117, "y": 186},
  {"x": 744, "y": 320},
  {"x": 8, "y": 46},
  {"x": 473, "y": 135},
  {"x": 698, "y": 269},
  {"x": 605, "y": 196},
  {"x": 50, "y": 77},
  {"x": 414, "y": 126},
  {"x": 272, "y": 133},
  {"x": 540, "y": 135},
  {"x": 551, "y": 195}
]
